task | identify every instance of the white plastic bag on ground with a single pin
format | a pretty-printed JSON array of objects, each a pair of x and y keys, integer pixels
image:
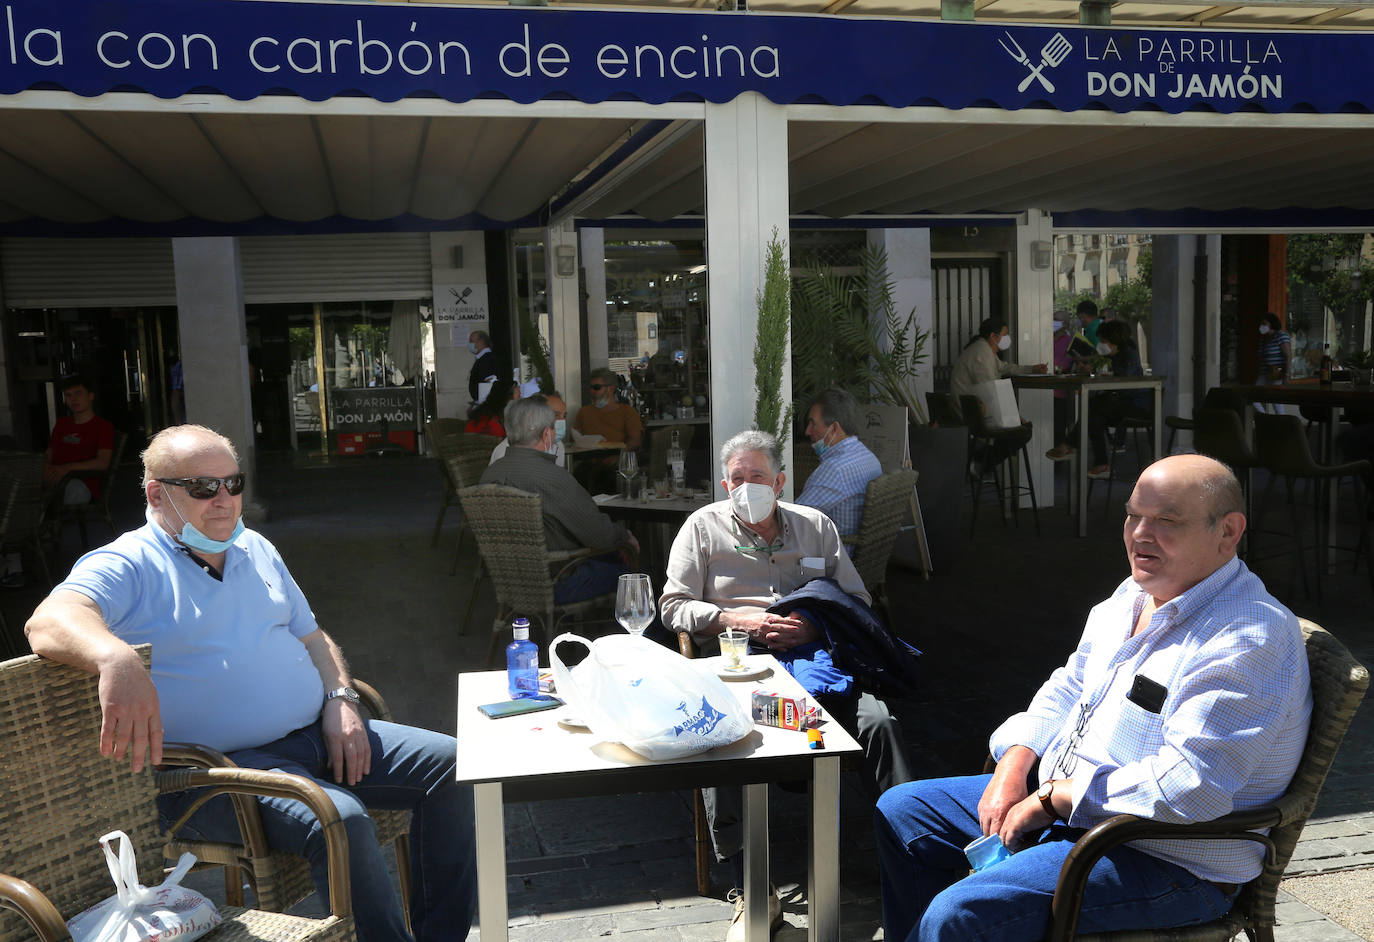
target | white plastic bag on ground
[
  {"x": 138, "y": 913},
  {"x": 654, "y": 701}
]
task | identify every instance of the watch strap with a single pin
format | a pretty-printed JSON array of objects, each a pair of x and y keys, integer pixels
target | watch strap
[
  {"x": 346, "y": 693},
  {"x": 1046, "y": 796}
]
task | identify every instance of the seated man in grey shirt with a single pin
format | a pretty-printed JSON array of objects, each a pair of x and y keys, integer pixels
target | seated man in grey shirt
[
  {"x": 571, "y": 518},
  {"x": 730, "y": 562}
]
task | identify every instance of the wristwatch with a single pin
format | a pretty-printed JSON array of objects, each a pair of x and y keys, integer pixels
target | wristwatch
[
  {"x": 348, "y": 693},
  {"x": 1046, "y": 795}
]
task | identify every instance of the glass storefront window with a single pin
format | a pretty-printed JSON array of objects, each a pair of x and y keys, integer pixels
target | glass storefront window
[{"x": 341, "y": 377}]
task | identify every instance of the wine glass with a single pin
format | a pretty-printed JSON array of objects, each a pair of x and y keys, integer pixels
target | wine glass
[
  {"x": 634, "y": 602},
  {"x": 629, "y": 470}
]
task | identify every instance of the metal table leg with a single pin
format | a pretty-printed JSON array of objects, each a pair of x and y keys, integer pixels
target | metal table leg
[
  {"x": 1083, "y": 465},
  {"x": 491, "y": 860},
  {"x": 756, "y": 890},
  {"x": 823, "y": 889}
]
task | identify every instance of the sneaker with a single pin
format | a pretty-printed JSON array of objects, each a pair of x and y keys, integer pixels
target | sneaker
[
  {"x": 1060, "y": 453},
  {"x": 1100, "y": 473},
  {"x": 736, "y": 931}
]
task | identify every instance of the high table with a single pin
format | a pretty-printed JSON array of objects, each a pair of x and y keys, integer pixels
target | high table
[
  {"x": 663, "y": 515},
  {"x": 1084, "y": 385},
  {"x": 1333, "y": 395},
  {"x": 532, "y": 757}
]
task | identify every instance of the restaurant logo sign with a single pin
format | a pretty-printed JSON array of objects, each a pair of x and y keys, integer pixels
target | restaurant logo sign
[
  {"x": 699, "y": 722},
  {"x": 1136, "y": 68}
]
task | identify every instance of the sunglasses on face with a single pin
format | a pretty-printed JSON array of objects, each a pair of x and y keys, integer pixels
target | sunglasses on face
[{"x": 204, "y": 488}]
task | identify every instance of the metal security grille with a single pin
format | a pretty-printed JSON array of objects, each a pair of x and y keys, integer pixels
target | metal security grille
[{"x": 966, "y": 291}]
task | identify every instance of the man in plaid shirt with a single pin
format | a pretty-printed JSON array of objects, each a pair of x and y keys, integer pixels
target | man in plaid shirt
[{"x": 1186, "y": 698}]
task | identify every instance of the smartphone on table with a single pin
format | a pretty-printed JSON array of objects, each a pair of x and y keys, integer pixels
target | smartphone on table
[{"x": 505, "y": 708}]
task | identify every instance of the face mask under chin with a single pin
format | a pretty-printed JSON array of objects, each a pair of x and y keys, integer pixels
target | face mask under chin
[{"x": 191, "y": 536}]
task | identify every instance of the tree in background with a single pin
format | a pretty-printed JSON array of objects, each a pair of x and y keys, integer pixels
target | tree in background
[
  {"x": 1334, "y": 266},
  {"x": 770, "y": 345}
]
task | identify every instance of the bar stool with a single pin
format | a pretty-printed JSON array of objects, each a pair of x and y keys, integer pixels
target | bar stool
[
  {"x": 1003, "y": 443},
  {"x": 1281, "y": 449},
  {"x": 1218, "y": 397},
  {"x": 1139, "y": 427}
]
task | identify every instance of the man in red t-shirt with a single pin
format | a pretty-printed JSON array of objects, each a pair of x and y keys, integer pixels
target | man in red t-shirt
[{"x": 82, "y": 441}]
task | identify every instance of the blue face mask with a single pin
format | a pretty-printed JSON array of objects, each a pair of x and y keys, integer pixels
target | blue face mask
[
  {"x": 560, "y": 429},
  {"x": 192, "y": 537},
  {"x": 820, "y": 448},
  {"x": 601, "y": 403},
  {"x": 472, "y": 348}
]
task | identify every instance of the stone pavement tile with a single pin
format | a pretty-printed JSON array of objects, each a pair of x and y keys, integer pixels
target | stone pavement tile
[
  {"x": 1343, "y": 897},
  {"x": 706, "y": 911},
  {"x": 1354, "y": 826}
]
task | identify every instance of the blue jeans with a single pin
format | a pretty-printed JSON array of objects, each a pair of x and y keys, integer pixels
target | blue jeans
[
  {"x": 595, "y": 576},
  {"x": 928, "y": 893},
  {"x": 412, "y": 769}
]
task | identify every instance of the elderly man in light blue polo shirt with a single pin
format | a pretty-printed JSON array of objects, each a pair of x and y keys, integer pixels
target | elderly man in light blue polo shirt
[
  {"x": 838, "y": 487},
  {"x": 239, "y": 664}
]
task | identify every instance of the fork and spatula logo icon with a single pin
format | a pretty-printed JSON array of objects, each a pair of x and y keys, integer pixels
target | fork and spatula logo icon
[{"x": 1054, "y": 53}]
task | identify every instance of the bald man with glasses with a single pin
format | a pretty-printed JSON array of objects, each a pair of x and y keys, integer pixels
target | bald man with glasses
[{"x": 240, "y": 664}]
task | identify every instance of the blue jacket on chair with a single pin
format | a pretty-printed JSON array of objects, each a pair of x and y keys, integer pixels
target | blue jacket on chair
[{"x": 860, "y": 646}]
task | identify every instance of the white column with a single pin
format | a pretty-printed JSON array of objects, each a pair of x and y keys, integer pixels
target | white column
[
  {"x": 593, "y": 249},
  {"x": 457, "y": 265},
  {"x": 565, "y": 319},
  {"x": 1173, "y": 315},
  {"x": 908, "y": 270},
  {"x": 6, "y": 405},
  {"x": 1034, "y": 333},
  {"x": 214, "y": 347},
  {"x": 746, "y": 199}
]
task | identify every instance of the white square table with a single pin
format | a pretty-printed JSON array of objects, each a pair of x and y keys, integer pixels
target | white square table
[{"x": 531, "y": 757}]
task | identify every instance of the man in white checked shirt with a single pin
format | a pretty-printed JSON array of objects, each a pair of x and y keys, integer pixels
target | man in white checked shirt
[{"x": 1187, "y": 698}]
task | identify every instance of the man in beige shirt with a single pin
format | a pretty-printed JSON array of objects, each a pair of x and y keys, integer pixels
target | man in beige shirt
[{"x": 732, "y": 560}]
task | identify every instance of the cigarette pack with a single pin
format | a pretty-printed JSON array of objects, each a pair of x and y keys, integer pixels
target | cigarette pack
[
  {"x": 772, "y": 709},
  {"x": 546, "y": 682}
]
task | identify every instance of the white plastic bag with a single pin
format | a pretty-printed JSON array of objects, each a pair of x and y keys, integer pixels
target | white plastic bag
[
  {"x": 137, "y": 913},
  {"x": 632, "y": 691},
  {"x": 1000, "y": 399}
]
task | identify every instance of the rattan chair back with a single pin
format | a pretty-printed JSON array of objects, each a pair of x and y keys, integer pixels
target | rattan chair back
[
  {"x": 58, "y": 795},
  {"x": 886, "y": 502},
  {"x": 509, "y": 526},
  {"x": 27, "y": 514},
  {"x": 1339, "y": 683}
]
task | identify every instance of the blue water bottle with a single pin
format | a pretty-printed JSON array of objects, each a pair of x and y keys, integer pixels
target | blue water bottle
[{"x": 522, "y": 662}]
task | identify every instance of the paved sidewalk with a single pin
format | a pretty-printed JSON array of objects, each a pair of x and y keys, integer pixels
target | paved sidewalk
[{"x": 993, "y": 622}]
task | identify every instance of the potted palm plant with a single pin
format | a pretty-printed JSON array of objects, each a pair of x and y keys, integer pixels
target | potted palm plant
[{"x": 847, "y": 332}]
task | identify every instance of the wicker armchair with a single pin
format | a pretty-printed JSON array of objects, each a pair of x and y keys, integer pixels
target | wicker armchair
[
  {"x": 57, "y": 794},
  {"x": 886, "y": 502},
  {"x": 1338, "y": 685},
  {"x": 97, "y": 509},
  {"x": 26, "y": 515},
  {"x": 280, "y": 879},
  {"x": 509, "y": 526}
]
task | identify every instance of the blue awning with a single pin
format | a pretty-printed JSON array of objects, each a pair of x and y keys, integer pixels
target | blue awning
[{"x": 247, "y": 49}]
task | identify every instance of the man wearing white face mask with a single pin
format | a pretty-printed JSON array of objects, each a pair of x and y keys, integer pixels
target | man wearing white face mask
[
  {"x": 980, "y": 363},
  {"x": 733, "y": 560},
  {"x": 241, "y": 665}
]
